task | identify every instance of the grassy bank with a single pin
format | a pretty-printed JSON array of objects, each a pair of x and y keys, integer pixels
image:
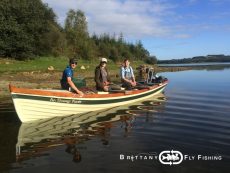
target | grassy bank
[
  {"x": 38, "y": 64},
  {"x": 35, "y": 73},
  {"x": 58, "y": 63},
  {"x": 41, "y": 65}
]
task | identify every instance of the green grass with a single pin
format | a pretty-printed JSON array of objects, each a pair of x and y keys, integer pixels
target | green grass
[
  {"x": 59, "y": 64},
  {"x": 38, "y": 64}
]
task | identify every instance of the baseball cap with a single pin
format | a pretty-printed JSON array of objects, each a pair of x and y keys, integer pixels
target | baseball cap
[
  {"x": 72, "y": 61},
  {"x": 103, "y": 60}
]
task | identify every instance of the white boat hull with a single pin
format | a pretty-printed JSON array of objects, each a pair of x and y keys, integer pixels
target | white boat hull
[{"x": 31, "y": 107}]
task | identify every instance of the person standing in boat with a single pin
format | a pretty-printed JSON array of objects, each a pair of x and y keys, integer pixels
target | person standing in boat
[
  {"x": 102, "y": 78},
  {"x": 67, "y": 77},
  {"x": 127, "y": 76}
]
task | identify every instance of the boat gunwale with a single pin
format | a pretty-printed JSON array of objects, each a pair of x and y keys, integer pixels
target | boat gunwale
[{"x": 67, "y": 94}]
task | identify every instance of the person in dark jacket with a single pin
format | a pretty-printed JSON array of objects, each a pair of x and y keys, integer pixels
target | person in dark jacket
[
  {"x": 102, "y": 78},
  {"x": 67, "y": 77}
]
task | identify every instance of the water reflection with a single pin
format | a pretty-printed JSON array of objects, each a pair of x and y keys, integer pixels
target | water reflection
[
  {"x": 213, "y": 67},
  {"x": 36, "y": 138},
  {"x": 194, "y": 120},
  {"x": 8, "y": 134}
]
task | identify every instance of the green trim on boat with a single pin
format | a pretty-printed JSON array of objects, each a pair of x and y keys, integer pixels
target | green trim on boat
[{"x": 79, "y": 101}]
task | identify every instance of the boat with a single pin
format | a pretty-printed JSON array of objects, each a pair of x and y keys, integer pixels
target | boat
[{"x": 35, "y": 104}]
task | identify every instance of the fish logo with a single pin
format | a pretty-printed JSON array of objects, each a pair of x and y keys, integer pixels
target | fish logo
[{"x": 170, "y": 157}]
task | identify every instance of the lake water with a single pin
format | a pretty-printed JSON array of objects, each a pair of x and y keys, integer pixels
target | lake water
[
  {"x": 191, "y": 117},
  {"x": 216, "y": 64}
]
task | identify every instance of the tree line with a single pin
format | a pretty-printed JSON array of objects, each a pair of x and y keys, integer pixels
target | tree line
[
  {"x": 197, "y": 59},
  {"x": 29, "y": 29}
]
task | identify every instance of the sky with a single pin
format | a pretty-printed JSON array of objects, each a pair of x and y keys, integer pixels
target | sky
[{"x": 168, "y": 29}]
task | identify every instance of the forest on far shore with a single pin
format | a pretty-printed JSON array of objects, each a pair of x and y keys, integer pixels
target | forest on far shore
[{"x": 197, "y": 59}]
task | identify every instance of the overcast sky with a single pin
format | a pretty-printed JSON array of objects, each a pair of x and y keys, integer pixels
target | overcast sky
[{"x": 168, "y": 29}]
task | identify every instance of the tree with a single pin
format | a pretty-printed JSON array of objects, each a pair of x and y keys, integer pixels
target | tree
[
  {"x": 126, "y": 54},
  {"x": 81, "y": 24},
  {"x": 76, "y": 32},
  {"x": 103, "y": 49},
  {"x": 140, "y": 52},
  {"x": 53, "y": 42},
  {"x": 23, "y": 23},
  {"x": 151, "y": 60},
  {"x": 121, "y": 38},
  {"x": 114, "y": 54}
]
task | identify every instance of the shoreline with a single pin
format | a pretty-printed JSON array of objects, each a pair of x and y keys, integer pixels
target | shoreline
[{"x": 50, "y": 79}]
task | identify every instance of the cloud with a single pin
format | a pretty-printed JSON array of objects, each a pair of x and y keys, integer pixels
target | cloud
[
  {"x": 143, "y": 19},
  {"x": 133, "y": 18},
  {"x": 182, "y": 36}
]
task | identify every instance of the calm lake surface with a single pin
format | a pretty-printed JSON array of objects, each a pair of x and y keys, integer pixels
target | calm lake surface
[
  {"x": 192, "y": 117},
  {"x": 196, "y": 64}
]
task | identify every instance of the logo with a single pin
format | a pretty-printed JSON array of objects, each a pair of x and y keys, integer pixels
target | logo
[
  {"x": 68, "y": 101},
  {"x": 170, "y": 157}
]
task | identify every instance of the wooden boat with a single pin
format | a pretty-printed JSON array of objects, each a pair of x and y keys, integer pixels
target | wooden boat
[{"x": 35, "y": 104}]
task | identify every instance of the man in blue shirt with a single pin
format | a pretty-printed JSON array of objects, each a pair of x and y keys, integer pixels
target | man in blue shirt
[
  {"x": 127, "y": 76},
  {"x": 67, "y": 76}
]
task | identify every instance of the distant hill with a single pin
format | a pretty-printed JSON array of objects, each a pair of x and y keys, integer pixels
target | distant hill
[{"x": 197, "y": 59}]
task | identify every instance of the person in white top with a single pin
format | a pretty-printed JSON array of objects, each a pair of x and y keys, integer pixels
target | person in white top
[{"x": 127, "y": 76}]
